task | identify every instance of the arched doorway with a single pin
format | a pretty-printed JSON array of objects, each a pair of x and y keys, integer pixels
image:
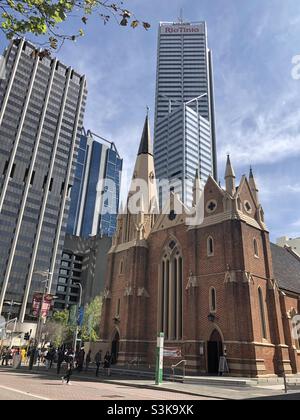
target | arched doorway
[
  {"x": 115, "y": 348},
  {"x": 214, "y": 352}
]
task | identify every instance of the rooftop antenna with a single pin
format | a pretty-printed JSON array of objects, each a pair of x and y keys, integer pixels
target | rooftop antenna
[
  {"x": 148, "y": 110},
  {"x": 181, "y": 16}
]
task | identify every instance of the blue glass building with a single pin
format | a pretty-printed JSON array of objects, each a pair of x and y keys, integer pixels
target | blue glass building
[{"x": 96, "y": 190}]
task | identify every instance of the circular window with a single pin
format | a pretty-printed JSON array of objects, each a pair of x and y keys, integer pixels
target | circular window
[
  {"x": 211, "y": 206},
  {"x": 247, "y": 206},
  {"x": 172, "y": 215}
]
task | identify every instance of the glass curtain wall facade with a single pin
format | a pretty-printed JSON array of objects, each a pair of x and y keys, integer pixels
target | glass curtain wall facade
[
  {"x": 184, "y": 110},
  {"x": 96, "y": 192},
  {"x": 42, "y": 104}
]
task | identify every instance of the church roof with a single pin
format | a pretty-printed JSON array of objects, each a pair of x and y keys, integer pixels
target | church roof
[
  {"x": 145, "y": 145},
  {"x": 286, "y": 265}
]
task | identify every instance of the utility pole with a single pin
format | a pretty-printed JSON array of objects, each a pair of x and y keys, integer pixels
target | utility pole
[{"x": 78, "y": 307}]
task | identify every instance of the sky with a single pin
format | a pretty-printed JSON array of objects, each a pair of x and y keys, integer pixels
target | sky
[{"x": 257, "y": 98}]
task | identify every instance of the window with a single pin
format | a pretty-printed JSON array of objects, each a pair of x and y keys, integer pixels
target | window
[
  {"x": 61, "y": 289},
  {"x": 262, "y": 313},
  {"x": 248, "y": 207},
  {"x": 65, "y": 264},
  {"x": 255, "y": 245},
  {"x": 121, "y": 268},
  {"x": 212, "y": 300},
  {"x": 171, "y": 293},
  {"x": 295, "y": 320},
  {"x": 118, "y": 307},
  {"x": 210, "y": 247},
  {"x": 63, "y": 272}
]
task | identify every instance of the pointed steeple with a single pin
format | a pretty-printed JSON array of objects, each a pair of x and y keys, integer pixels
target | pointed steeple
[
  {"x": 145, "y": 144},
  {"x": 230, "y": 178},
  {"x": 196, "y": 189},
  {"x": 142, "y": 195},
  {"x": 253, "y": 186}
]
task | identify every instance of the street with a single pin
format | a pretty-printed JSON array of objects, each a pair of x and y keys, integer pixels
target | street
[{"x": 22, "y": 385}]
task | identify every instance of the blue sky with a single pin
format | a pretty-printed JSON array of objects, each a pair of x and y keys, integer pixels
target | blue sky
[{"x": 257, "y": 100}]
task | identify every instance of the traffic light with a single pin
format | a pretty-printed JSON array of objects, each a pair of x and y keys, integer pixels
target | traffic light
[{"x": 27, "y": 336}]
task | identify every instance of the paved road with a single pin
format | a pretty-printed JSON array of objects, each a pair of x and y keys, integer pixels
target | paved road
[{"x": 16, "y": 385}]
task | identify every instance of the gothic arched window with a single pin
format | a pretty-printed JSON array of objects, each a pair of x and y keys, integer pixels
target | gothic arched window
[
  {"x": 255, "y": 246},
  {"x": 262, "y": 313},
  {"x": 171, "y": 293},
  {"x": 210, "y": 247},
  {"x": 212, "y": 300}
]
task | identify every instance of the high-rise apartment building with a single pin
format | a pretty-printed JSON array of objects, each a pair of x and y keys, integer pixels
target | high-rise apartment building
[
  {"x": 42, "y": 104},
  {"x": 184, "y": 128},
  {"x": 95, "y": 195}
]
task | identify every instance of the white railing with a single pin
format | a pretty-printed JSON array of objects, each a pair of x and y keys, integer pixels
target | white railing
[{"x": 173, "y": 367}]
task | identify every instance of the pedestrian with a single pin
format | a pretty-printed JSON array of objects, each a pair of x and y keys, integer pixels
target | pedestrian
[
  {"x": 70, "y": 365},
  {"x": 107, "y": 363},
  {"x": 5, "y": 357},
  {"x": 17, "y": 359},
  {"x": 98, "y": 357},
  {"x": 80, "y": 360},
  {"x": 23, "y": 355},
  {"x": 88, "y": 360},
  {"x": 60, "y": 359}
]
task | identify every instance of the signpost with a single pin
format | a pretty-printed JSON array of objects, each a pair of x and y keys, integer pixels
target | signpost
[{"x": 159, "y": 359}]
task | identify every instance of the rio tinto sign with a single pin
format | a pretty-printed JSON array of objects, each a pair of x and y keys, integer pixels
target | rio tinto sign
[{"x": 182, "y": 29}]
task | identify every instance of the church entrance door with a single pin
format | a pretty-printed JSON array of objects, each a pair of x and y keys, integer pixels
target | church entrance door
[
  {"x": 214, "y": 352},
  {"x": 115, "y": 348}
]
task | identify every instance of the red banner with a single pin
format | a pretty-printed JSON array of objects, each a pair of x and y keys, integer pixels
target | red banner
[{"x": 46, "y": 305}]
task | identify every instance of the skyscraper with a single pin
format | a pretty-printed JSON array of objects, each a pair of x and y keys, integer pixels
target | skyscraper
[
  {"x": 42, "y": 104},
  {"x": 184, "y": 127},
  {"x": 96, "y": 191}
]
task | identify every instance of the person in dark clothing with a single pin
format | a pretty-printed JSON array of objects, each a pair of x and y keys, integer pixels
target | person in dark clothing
[
  {"x": 98, "y": 358},
  {"x": 52, "y": 355},
  {"x": 70, "y": 365},
  {"x": 80, "y": 360},
  {"x": 88, "y": 360},
  {"x": 107, "y": 363},
  {"x": 60, "y": 359}
]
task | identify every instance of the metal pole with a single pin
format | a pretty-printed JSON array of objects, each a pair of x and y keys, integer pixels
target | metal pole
[{"x": 78, "y": 307}]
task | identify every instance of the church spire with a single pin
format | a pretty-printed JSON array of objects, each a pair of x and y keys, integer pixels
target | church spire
[
  {"x": 230, "y": 178},
  {"x": 253, "y": 186},
  {"x": 145, "y": 144},
  {"x": 196, "y": 189}
]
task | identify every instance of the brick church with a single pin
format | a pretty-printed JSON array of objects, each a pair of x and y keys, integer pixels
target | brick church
[{"x": 215, "y": 289}]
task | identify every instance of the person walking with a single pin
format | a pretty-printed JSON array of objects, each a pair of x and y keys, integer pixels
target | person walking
[
  {"x": 60, "y": 359},
  {"x": 80, "y": 362},
  {"x": 97, "y": 359},
  {"x": 70, "y": 364},
  {"x": 88, "y": 360},
  {"x": 107, "y": 363}
]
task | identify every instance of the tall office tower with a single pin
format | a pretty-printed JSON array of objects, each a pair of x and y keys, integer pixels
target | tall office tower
[
  {"x": 42, "y": 104},
  {"x": 96, "y": 192},
  {"x": 184, "y": 127}
]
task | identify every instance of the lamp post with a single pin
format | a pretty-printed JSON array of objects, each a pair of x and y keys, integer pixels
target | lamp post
[{"x": 78, "y": 307}]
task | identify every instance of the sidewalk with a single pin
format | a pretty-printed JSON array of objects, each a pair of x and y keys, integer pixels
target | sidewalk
[{"x": 209, "y": 391}]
